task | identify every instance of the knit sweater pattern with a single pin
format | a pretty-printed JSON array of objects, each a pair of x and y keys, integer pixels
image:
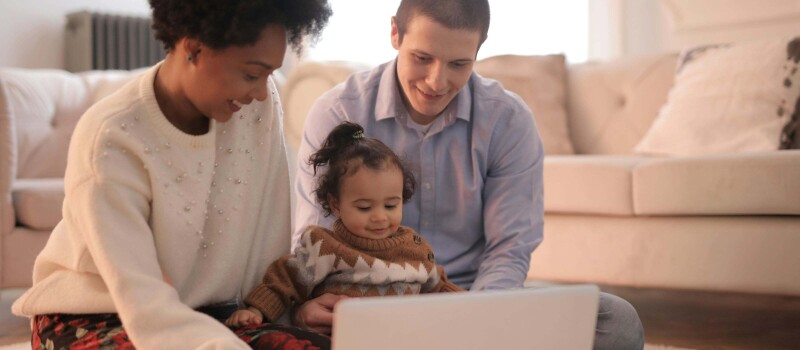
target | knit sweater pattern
[{"x": 342, "y": 263}]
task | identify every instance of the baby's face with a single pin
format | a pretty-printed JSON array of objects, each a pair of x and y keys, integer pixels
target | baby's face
[{"x": 370, "y": 202}]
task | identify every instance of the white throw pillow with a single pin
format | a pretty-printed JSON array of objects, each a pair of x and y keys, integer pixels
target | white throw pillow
[{"x": 729, "y": 98}]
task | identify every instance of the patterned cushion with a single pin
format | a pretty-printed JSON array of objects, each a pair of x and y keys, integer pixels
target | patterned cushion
[
  {"x": 790, "y": 138},
  {"x": 730, "y": 98}
]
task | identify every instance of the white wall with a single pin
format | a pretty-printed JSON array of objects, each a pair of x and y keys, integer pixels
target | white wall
[
  {"x": 641, "y": 27},
  {"x": 645, "y": 28},
  {"x": 517, "y": 27},
  {"x": 32, "y": 31},
  {"x": 693, "y": 22},
  {"x": 626, "y": 27}
]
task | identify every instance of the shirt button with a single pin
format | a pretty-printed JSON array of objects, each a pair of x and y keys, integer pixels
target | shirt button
[
  {"x": 426, "y": 185},
  {"x": 417, "y": 239}
]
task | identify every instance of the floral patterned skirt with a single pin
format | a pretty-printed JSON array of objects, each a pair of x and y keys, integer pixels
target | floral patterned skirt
[{"x": 105, "y": 331}]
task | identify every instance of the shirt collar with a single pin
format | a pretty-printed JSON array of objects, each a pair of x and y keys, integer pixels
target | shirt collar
[{"x": 389, "y": 102}]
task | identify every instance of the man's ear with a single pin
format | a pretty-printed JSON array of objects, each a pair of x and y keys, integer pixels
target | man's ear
[
  {"x": 334, "y": 204},
  {"x": 395, "y": 35}
]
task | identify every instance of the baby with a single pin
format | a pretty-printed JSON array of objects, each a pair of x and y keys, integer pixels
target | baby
[{"x": 368, "y": 252}]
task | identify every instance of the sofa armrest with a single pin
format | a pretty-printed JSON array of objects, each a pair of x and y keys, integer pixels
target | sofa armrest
[
  {"x": 8, "y": 158},
  {"x": 763, "y": 183},
  {"x": 305, "y": 83},
  {"x": 38, "y": 112}
]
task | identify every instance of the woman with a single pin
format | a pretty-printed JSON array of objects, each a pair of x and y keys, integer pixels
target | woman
[{"x": 176, "y": 190}]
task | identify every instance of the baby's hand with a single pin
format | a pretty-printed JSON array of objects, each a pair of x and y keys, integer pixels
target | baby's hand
[{"x": 244, "y": 317}]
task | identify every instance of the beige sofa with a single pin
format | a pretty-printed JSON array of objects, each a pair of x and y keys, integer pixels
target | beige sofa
[
  {"x": 38, "y": 111},
  {"x": 725, "y": 222},
  {"x": 728, "y": 222}
]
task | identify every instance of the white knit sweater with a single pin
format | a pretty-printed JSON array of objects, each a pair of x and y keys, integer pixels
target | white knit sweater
[{"x": 158, "y": 222}]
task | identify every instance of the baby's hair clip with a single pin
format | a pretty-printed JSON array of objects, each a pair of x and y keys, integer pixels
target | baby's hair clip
[{"x": 358, "y": 135}]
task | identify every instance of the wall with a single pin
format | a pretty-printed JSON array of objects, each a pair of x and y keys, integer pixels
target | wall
[
  {"x": 640, "y": 27},
  {"x": 645, "y": 28},
  {"x": 549, "y": 27},
  {"x": 693, "y": 22},
  {"x": 32, "y": 32},
  {"x": 626, "y": 27}
]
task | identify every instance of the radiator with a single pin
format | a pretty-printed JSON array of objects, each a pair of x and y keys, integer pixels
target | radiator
[{"x": 98, "y": 41}]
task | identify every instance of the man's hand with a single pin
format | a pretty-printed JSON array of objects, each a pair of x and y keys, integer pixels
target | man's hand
[
  {"x": 317, "y": 314},
  {"x": 245, "y": 317}
]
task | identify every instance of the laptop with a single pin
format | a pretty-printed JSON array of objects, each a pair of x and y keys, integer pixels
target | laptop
[{"x": 557, "y": 317}]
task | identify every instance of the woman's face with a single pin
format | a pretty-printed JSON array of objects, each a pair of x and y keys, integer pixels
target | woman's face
[{"x": 223, "y": 80}]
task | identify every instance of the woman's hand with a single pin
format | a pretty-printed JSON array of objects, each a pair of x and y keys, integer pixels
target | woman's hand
[
  {"x": 317, "y": 314},
  {"x": 245, "y": 317}
]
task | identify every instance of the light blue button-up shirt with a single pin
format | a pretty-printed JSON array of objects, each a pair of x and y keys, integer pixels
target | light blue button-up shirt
[{"x": 478, "y": 170}]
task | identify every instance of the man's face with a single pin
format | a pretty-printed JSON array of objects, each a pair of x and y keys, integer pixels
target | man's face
[{"x": 433, "y": 64}]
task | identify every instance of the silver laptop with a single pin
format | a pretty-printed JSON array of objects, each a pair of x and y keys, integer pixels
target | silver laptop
[{"x": 558, "y": 317}]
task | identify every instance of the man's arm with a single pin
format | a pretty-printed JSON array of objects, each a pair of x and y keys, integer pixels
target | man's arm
[
  {"x": 307, "y": 211},
  {"x": 513, "y": 209}
]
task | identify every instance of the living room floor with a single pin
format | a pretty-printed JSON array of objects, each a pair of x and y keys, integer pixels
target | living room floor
[
  {"x": 685, "y": 319},
  {"x": 12, "y": 329},
  {"x": 715, "y": 320}
]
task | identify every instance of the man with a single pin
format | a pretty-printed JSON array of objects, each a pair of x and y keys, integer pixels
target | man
[{"x": 475, "y": 150}]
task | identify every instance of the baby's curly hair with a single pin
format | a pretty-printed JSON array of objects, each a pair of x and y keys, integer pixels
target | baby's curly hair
[
  {"x": 344, "y": 151},
  {"x": 220, "y": 24}
]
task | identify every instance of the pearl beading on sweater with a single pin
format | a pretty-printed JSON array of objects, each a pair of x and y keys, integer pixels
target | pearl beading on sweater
[{"x": 205, "y": 239}]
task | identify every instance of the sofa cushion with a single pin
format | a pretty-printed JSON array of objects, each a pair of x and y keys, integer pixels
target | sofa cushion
[
  {"x": 728, "y": 253},
  {"x": 583, "y": 184},
  {"x": 37, "y": 202},
  {"x": 45, "y": 105},
  {"x": 612, "y": 104},
  {"x": 541, "y": 82},
  {"x": 20, "y": 248},
  {"x": 308, "y": 81},
  {"x": 733, "y": 184},
  {"x": 729, "y": 98}
]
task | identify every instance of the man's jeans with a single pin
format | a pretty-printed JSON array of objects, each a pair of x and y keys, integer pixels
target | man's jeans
[{"x": 618, "y": 325}]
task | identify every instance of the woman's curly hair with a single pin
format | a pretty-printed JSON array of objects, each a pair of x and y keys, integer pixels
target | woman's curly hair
[
  {"x": 220, "y": 24},
  {"x": 344, "y": 151}
]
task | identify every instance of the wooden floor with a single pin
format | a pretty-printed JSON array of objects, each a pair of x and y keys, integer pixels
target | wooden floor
[
  {"x": 12, "y": 329},
  {"x": 712, "y": 320},
  {"x": 685, "y": 319}
]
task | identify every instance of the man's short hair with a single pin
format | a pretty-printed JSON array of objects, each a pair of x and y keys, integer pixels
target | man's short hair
[{"x": 453, "y": 14}]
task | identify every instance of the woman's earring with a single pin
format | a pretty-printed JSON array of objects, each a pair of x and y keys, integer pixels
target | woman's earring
[{"x": 190, "y": 58}]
